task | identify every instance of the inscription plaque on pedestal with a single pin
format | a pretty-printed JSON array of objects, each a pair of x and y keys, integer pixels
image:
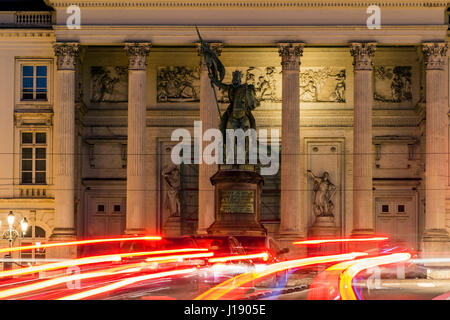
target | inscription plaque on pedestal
[{"x": 237, "y": 201}]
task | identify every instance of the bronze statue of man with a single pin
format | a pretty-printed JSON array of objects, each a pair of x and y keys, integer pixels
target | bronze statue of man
[
  {"x": 242, "y": 99},
  {"x": 242, "y": 96}
]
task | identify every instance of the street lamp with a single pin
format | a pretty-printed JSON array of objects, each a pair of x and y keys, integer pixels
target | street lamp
[{"x": 11, "y": 234}]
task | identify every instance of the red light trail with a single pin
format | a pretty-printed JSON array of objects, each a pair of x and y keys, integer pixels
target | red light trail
[
  {"x": 126, "y": 282},
  {"x": 80, "y": 242},
  {"x": 321, "y": 241},
  {"x": 221, "y": 290}
]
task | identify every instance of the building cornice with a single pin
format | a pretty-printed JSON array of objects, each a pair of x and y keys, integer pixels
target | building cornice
[
  {"x": 261, "y": 4},
  {"x": 27, "y": 33}
]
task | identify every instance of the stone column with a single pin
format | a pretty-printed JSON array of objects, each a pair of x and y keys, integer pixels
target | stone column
[
  {"x": 137, "y": 73},
  {"x": 292, "y": 224},
  {"x": 64, "y": 139},
  {"x": 363, "y": 218},
  {"x": 435, "y": 237},
  {"x": 208, "y": 117},
  {"x": 64, "y": 147}
]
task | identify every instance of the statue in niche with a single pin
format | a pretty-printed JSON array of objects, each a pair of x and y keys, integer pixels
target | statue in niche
[
  {"x": 324, "y": 190},
  {"x": 171, "y": 175}
]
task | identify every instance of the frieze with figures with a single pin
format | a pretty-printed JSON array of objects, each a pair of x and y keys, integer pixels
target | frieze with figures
[
  {"x": 109, "y": 84},
  {"x": 317, "y": 84},
  {"x": 178, "y": 84},
  {"x": 393, "y": 84}
]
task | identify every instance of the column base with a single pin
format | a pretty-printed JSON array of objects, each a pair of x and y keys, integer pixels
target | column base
[
  {"x": 135, "y": 232},
  {"x": 202, "y": 231},
  {"x": 63, "y": 252},
  {"x": 435, "y": 244},
  {"x": 286, "y": 239}
]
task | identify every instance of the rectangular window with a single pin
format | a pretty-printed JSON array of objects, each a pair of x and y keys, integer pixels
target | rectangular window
[
  {"x": 33, "y": 157},
  {"x": 34, "y": 82}
]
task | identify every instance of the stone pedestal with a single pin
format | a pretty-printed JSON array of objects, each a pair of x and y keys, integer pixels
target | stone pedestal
[
  {"x": 237, "y": 197},
  {"x": 172, "y": 227},
  {"x": 324, "y": 227}
]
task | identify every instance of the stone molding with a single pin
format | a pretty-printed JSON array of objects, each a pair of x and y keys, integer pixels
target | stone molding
[
  {"x": 290, "y": 53},
  {"x": 362, "y": 55},
  {"x": 435, "y": 55},
  {"x": 137, "y": 54},
  {"x": 66, "y": 55},
  {"x": 247, "y": 4}
]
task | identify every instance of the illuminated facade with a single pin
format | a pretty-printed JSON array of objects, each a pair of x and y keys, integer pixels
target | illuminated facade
[{"x": 87, "y": 114}]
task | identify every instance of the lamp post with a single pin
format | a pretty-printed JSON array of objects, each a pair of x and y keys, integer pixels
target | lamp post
[{"x": 11, "y": 234}]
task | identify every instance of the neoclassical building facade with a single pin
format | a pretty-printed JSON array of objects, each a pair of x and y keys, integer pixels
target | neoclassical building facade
[{"x": 88, "y": 110}]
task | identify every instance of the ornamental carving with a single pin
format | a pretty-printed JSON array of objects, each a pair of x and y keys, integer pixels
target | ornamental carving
[
  {"x": 216, "y": 47},
  {"x": 317, "y": 84},
  {"x": 178, "y": 84},
  {"x": 434, "y": 55},
  {"x": 393, "y": 83},
  {"x": 265, "y": 80},
  {"x": 362, "y": 55},
  {"x": 109, "y": 84},
  {"x": 66, "y": 55},
  {"x": 322, "y": 84},
  {"x": 290, "y": 54},
  {"x": 137, "y": 55}
]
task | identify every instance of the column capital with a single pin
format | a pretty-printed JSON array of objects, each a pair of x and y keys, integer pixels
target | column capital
[
  {"x": 362, "y": 53},
  {"x": 290, "y": 53},
  {"x": 66, "y": 55},
  {"x": 137, "y": 54},
  {"x": 434, "y": 54},
  {"x": 216, "y": 48}
]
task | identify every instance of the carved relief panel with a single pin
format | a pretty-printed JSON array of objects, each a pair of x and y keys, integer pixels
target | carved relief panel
[
  {"x": 322, "y": 84},
  {"x": 178, "y": 84},
  {"x": 109, "y": 84},
  {"x": 317, "y": 84},
  {"x": 393, "y": 84}
]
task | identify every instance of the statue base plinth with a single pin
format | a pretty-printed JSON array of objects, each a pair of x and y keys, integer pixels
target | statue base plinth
[
  {"x": 324, "y": 221},
  {"x": 237, "y": 198},
  {"x": 172, "y": 227},
  {"x": 323, "y": 229}
]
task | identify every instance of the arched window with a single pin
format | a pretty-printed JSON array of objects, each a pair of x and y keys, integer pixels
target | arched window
[{"x": 33, "y": 236}]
